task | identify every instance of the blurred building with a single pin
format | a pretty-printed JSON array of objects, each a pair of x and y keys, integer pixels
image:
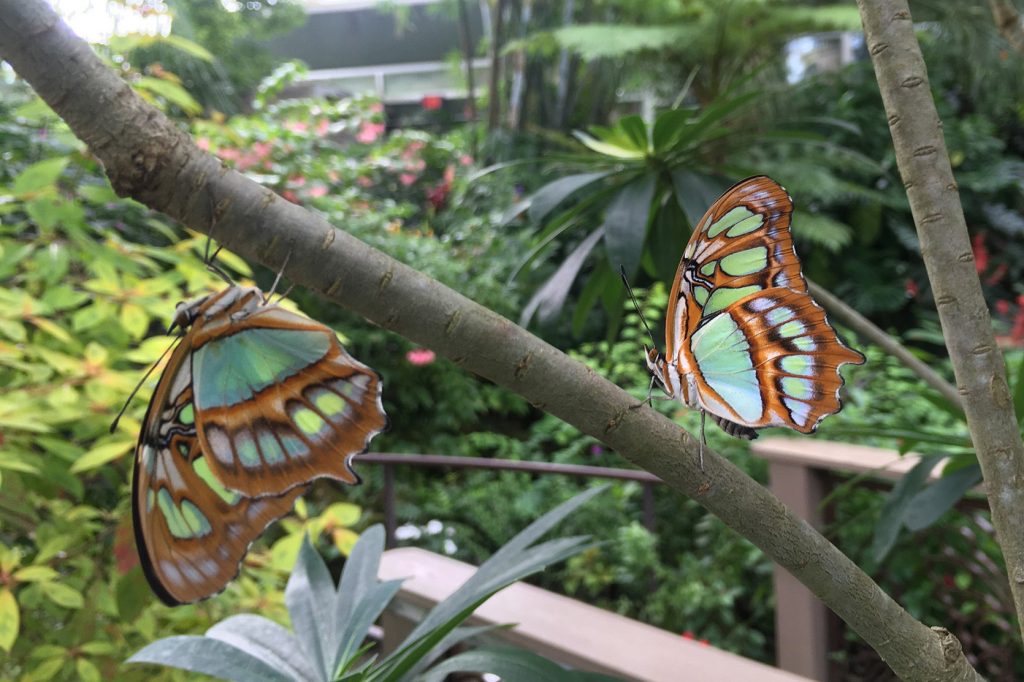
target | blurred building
[
  {"x": 403, "y": 51},
  {"x": 822, "y": 53}
]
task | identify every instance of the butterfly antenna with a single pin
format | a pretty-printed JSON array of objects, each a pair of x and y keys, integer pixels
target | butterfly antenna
[
  {"x": 636, "y": 304},
  {"x": 277, "y": 280},
  {"x": 113, "y": 424}
]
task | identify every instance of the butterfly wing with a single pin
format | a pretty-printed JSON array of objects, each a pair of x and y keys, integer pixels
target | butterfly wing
[
  {"x": 190, "y": 531},
  {"x": 741, "y": 246},
  {"x": 770, "y": 359},
  {"x": 279, "y": 402}
]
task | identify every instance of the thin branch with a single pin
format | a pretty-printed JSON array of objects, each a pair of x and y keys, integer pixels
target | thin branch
[
  {"x": 150, "y": 159},
  {"x": 867, "y": 329},
  {"x": 946, "y": 250},
  {"x": 1008, "y": 23}
]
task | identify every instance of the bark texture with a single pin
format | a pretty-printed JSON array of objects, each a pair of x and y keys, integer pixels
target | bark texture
[
  {"x": 148, "y": 158},
  {"x": 946, "y": 250},
  {"x": 1009, "y": 23}
]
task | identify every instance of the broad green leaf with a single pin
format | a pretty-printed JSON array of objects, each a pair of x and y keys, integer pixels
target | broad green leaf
[
  {"x": 63, "y": 595},
  {"x": 668, "y": 126},
  {"x": 625, "y": 223},
  {"x": 98, "y": 648},
  {"x": 931, "y": 503},
  {"x": 134, "y": 320},
  {"x": 310, "y": 598},
  {"x": 549, "y": 299},
  {"x": 635, "y": 130},
  {"x": 695, "y": 193},
  {"x": 210, "y": 657},
  {"x": 187, "y": 46},
  {"x": 172, "y": 92},
  {"x": 266, "y": 641},
  {"x": 9, "y": 622},
  {"x": 34, "y": 574},
  {"x": 39, "y": 176},
  {"x": 596, "y": 41},
  {"x": 133, "y": 594},
  {"x": 47, "y": 669},
  {"x": 607, "y": 148},
  {"x": 108, "y": 451},
  {"x": 554, "y": 193},
  {"x": 669, "y": 232},
  {"x": 343, "y": 514},
  {"x": 87, "y": 670},
  {"x": 891, "y": 518},
  {"x": 285, "y": 551},
  {"x": 511, "y": 665}
]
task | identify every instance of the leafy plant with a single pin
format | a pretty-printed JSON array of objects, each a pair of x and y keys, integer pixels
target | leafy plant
[{"x": 331, "y": 624}]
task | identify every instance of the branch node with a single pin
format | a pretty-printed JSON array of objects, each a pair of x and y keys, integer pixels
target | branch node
[
  {"x": 945, "y": 299},
  {"x": 268, "y": 199},
  {"x": 615, "y": 421},
  {"x": 453, "y": 322},
  {"x": 328, "y": 239},
  {"x": 894, "y": 120},
  {"x": 981, "y": 349},
  {"x": 964, "y": 257},
  {"x": 335, "y": 286},
  {"x": 926, "y": 150},
  {"x": 901, "y": 15},
  {"x": 523, "y": 366},
  {"x": 879, "y": 48},
  {"x": 385, "y": 280},
  {"x": 931, "y": 218},
  {"x": 911, "y": 82}
]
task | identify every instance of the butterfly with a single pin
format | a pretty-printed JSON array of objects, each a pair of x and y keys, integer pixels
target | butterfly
[
  {"x": 255, "y": 402},
  {"x": 745, "y": 342}
]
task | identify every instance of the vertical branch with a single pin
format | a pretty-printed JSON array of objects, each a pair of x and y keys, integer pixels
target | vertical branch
[
  {"x": 494, "y": 86},
  {"x": 946, "y": 249},
  {"x": 515, "y": 99},
  {"x": 562, "y": 96},
  {"x": 466, "y": 42},
  {"x": 1008, "y": 23}
]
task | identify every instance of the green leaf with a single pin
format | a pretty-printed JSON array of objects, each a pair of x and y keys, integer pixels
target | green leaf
[
  {"x": 172, "y": 92},
  {"x": 111, "y": 449},
  {"x": 550, "y": 297},
  {"x": 554, "y": 193},
  {"x": 625, "y": 223},
  {"x": 608, "y": 148},
  {"x": 635, "y": 130},
  {"x": 266, "y": 641},
  {"x": 134, "y": 320},
  {"x": 311, "y": 600},
  {"x": 210, "y": 657},
  {"x": 187, "y": 46},
  {"x": 9, "y": 622},
  {"x": 1018, "y": 392},
  {"x": 897, "y": 503},
  {"x": 668, "y": 126},
  {"x": 39, "y": 176},
  {"x": 596, "y": 41},
  {"x": 935, "y": 500},
  {"x": 511, "y": 665},
  {"x": 98, "y": 648},
  {"x": 63, "y": 595},
  {"x": 87, "y": 670},
  {"x": 132, "y": 595},
  {"x": 695, "y": 193},
  {"x": 669, "y": 232},
  {"x": 34, "y": 574},
  {"x": 285, "y": 551}
]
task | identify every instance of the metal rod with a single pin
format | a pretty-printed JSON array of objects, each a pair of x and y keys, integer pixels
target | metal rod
[{"x": 390, "y": 520}]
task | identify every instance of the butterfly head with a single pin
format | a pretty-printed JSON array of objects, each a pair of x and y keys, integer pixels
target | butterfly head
[{"x": 659, "y": 370}]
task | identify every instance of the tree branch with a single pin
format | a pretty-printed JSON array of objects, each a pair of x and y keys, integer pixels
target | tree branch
[
  {"x": 1008, "y": 23},
  {"x": 150, "y": 159},
  {"x": 946, "y": 249}
]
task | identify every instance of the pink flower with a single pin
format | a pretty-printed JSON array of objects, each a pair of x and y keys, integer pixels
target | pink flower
[
  {"x": 262, "y": 149},
  {"x": 364, "y": 181},
  {"x": 432, "y": 102},
  {"x": 1003, "y": 307},
  {"x": 466, "y": 160},
  {"x": 203, "y": 143},
  {"x": 369, "y": 132},
  {"x": 911, "y": 288},
  {"x": 297, "y": 180},
  {"x": 229, "y": 153},
  {"x": 407, "y": 178},
  {"x": 317, "y": 191},
  {"x": 998, "y": 274},
  {"x": 290, "y": 196},
  {"x": 296, "y": 126},
  {"x": 322, "y": 126},
  {"x": 420, "y": 356},
  {"x": 376, "y": 107}
]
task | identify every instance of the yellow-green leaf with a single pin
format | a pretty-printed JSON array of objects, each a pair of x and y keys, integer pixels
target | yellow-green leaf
[
  {"x": 39, "y": 176},
  {"x": 8, "y": 619},
  {"x": 87, "y": 670},
  {"x": 285, "y": 551},
  {"x": 98, "y": 648},
  {"x": 344, "y": 539},
  {"x": 46, "y": 670},
  {"x": 31, "y": 574},
  {"x": 51, "y": 328},
  {"x": 342, "y": 514},
  {"x": 102, "y": 454},
  {"x": 63, "y": 595},
  {"x": 173, "y": 93},
  {"x": 134, "y": 320}
]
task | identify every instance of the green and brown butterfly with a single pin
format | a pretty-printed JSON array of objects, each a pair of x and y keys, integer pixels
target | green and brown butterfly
[
  {"x": 255, "y": 402},
  {"x": 745, "y": 342}
]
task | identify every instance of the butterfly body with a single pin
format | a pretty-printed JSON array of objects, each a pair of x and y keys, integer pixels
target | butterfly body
[
  {"x": 745, "y": 342},
  {"x": 255, "y": 402}
]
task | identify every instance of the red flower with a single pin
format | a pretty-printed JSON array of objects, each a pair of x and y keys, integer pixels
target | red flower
[
  {"x": 1003, "y": 307},
  {"x": 911, "y": 288},
  {"x": 369, "y": 132},
  {"x": 432, "y": 102},
  {"x": 980, "y": 252},
  {"x": 996, "y": 276},
  {"x": 290, "y": 196},
  {"x": 688, "y": 635},
  {"x": 407, "y": 178}
]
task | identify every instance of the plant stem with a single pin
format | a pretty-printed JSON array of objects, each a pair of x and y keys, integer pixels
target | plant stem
[
  {"x": 946, "y": 250},
  {"x": 150, "y": 158},
  {"x": 870, "y": 331}
]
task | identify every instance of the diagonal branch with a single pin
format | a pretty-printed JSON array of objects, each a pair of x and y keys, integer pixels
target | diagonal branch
[
  {"x": 946, "y": 249},
  {"x": 150, "y": 159}
]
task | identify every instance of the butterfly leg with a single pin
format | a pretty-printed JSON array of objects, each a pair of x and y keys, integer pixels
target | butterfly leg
[
  {"x": 703, "y": 440},
  {"x": 277, "y": 280}
]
